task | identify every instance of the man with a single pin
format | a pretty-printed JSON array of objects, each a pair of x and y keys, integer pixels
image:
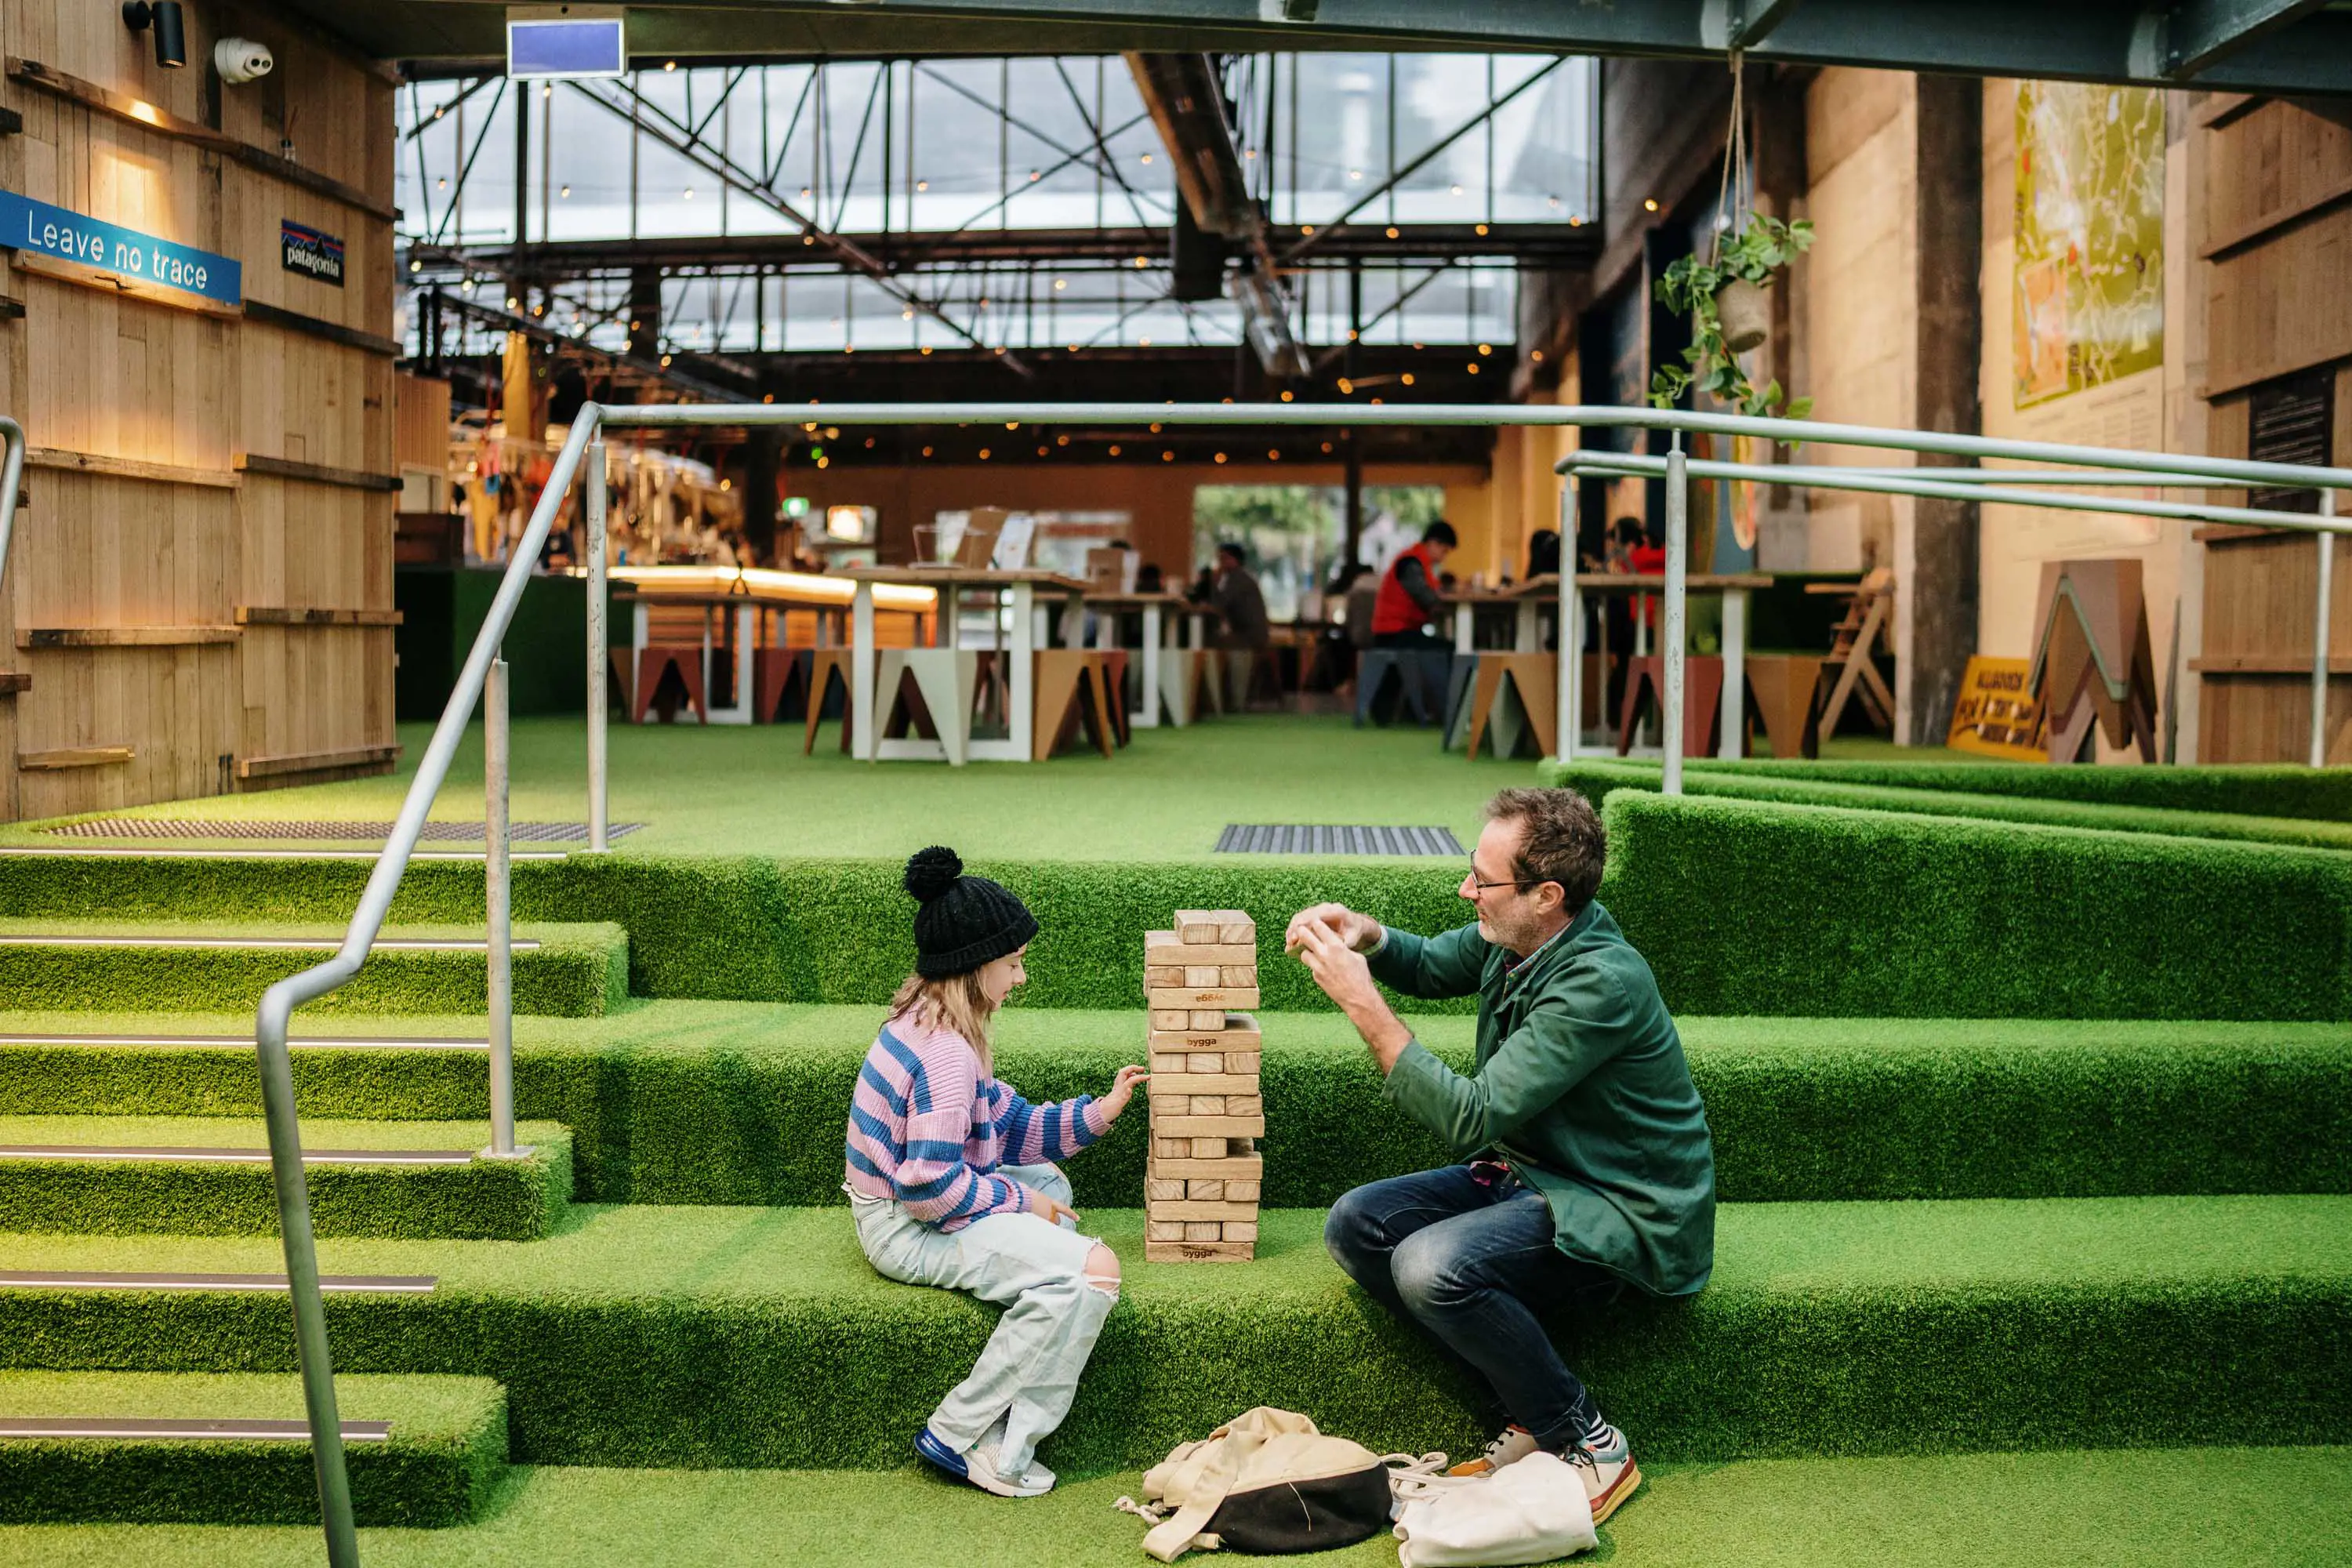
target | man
[
  {"x": 1408, "y": 597},
  {"x": 1243, "y": 632},
  {"x": 1589, "y": 1167}
]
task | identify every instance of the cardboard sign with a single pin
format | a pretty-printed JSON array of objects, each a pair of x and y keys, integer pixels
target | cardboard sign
[
  {"x": 310, "y": 252},
  {"x": 107, "y": 249},
  {"x": 1996, "y": 716}
]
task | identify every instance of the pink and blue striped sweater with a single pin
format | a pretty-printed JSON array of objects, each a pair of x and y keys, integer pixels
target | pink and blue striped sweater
[{"x": 928, "y": 1130}]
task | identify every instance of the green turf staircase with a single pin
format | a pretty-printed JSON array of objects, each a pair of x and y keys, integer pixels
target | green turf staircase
[{"x": 1942, "y": 1242}]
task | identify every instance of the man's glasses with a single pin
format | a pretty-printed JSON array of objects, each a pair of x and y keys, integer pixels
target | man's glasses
[{"x": 1482, "y": 886}]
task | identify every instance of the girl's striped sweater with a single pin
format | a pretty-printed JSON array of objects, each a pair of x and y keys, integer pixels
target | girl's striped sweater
[{"x": 928, "y": 1130}]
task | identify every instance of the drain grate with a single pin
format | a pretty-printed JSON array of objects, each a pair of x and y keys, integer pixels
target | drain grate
[
  {"x": 1318, "y": 838},
  {"x": 326, "y": 832}
]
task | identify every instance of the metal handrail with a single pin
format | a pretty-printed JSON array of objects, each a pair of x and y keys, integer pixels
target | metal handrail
[
  {"x": 473, "y": 681},
  {"x": 1976, "y": 486},
  {"x": 277, "y": 1004}
]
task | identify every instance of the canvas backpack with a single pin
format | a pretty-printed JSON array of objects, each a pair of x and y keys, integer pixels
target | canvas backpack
[{"x": 1265, "y": 1482}]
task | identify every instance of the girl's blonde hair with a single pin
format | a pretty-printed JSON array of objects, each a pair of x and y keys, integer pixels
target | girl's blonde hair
[{"x": 953, "y": 1001}]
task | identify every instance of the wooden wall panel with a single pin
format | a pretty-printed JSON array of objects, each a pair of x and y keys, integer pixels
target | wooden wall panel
[
  {"x": 2282, "y": 304},
  {"x": 103, "y": 378},
  {"x": 2272, "y": 162}
]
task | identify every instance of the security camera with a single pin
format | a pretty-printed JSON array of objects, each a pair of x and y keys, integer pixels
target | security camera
[{"x": 241, "y": 60}]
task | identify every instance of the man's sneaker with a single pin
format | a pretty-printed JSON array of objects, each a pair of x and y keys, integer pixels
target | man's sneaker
[
  {"x": 1608, "y": 1470},
  {"x": 1511, "y": 1445},
  {"x": 979, "y": 1467}
]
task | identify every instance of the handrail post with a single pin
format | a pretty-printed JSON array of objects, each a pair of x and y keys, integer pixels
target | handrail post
[
  {"x": 1672, "y": 633},
  {"x": 1569, "y": 628},
  {"x": 594, "y": 484},
  {"x": 303, "y": 1280},
  {"x": 498, "y": 899},
  {"x": 2319, "y": 635}
]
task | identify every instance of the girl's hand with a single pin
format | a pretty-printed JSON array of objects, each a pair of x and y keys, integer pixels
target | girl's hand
[
  {"x": 1122, "y": 1090},
  {"x": 1048, "y": 1209}
]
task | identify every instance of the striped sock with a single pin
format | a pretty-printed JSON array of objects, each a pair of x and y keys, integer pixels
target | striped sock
[{"x": 1602, "y": 1437}]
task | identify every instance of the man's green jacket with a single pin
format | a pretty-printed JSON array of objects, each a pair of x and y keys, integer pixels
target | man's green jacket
[{"x": 1581, "y": 1084}]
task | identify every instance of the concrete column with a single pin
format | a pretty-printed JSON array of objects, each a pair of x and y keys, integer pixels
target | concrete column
[{"x": 1936, "y": 551}]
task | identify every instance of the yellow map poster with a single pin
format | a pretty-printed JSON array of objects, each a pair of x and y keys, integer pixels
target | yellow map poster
[{"x": 2089, "y": 283}]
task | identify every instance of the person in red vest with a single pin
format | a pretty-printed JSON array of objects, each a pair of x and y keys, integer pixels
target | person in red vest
[{"x": 1408, "y": 599}]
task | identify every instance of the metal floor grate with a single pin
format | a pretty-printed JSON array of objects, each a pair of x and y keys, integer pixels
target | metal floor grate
[
  {"x": 1318, "y": 839},
  {"x": 326, "y": 832}
]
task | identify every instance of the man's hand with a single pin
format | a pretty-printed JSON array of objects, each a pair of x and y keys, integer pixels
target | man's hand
[
  {"x": 1359, "y": 932},
  {"x": 1122, "y": 1090},
  {"x": 1347, "y": 979},
  {"x": 1046, "y": 1209}
]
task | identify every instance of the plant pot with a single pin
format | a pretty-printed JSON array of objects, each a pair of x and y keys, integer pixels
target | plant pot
[{"x": 1745, "y": 313}]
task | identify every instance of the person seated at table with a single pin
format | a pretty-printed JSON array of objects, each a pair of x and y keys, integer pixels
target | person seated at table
[
  {"x": 1543, "y": 553},
  {"x": 1408, "y": 598},
  {"x": 1148, "y": 580}
]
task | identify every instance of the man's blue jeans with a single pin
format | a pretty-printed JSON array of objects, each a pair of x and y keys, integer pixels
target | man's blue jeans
[{"x": 1468, "y": 1261}]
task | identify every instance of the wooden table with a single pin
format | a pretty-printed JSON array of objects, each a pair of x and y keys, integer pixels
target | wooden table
[
  {"x": 1156, "y": 622},
  {"x": 1528, "y": 598},
  {"x": 950, "y": 584},
  {"x": 746, "y": 593},
  {"x": 1734, "y": 587}
]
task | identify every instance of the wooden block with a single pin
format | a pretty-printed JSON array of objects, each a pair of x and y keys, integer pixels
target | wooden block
[
  {"x": 1210, "y": 975},
  {"x": 1166, "y": 974},
  {"x": 1197, "y": 926},
  {"x": 1240, "y": 1192},
  {"x": 1167, "y": 1061},
  {"x": 1168, "y": 1085},
  {"x": 1203, "y": 1230},
  {"x": 1228, "y": 974},
  {"x": 1205, "y": 1019},
  {"x": 1218, "y": 925},
  {"x": 1163, "y": 1230},
  {"x": 1244, "y": 1105},
  {"x": 1207, "y": 1148},
  {"x": 1161, "y": 947},
  {"x": 1155, "y": 1188},
  {"x": 1243, "y": 1062},
  {"x": 1167, "y": 1126},
  {"x": 1236, "y": 1032},
  {"x": 1208, "y": 1189},
  {"x": 1206, "y": 1105},
  {"x": 1174, "y": 1020},
  {"x": 1172, "y": 1147},
  {"x": 1199, "y": 1251},
  {"x": 1204, "y": 1061},
  {"x": 1238, "y": 1230},
  {"x": 1233, "y": 1172},
  {"x": 1189, "y": 1211},
  {"x": 1201, "y": 998}
]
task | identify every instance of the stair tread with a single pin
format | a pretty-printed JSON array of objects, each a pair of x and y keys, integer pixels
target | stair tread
[
  {"x": 201, "y": 1137},
  {"x": 412, "y": 1403},
  {"x": 1762, "y": 1250}
]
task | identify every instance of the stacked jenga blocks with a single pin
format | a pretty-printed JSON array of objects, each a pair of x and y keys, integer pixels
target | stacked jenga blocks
[{"x": 1202, "y": 1179}]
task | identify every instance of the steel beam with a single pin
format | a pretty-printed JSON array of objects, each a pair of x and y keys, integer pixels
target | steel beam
[
  {"x": 2199, "y": 34},
  {"x": 2083, "y": 40}
]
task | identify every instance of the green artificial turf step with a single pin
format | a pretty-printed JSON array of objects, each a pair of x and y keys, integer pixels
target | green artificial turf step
[
  {"x": 653, "y": 1336},
  {"x": 2222, "y": 1507},
  {"x": 715, "y": 1102},
  {"x": 569, "y": 971},
  {"x": 234, "y": 1448},
  {"x": 196, "y": 1175}
]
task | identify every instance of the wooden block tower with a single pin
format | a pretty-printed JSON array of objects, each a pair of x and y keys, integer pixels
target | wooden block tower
[{"x": 1201, "y": 1180}]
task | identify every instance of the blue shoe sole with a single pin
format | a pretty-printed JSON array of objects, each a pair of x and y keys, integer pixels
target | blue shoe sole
[{"x": 933, "y": 1452}]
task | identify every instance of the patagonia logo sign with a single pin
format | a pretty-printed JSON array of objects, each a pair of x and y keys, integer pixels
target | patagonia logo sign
[{"x": 306, "y": 251}]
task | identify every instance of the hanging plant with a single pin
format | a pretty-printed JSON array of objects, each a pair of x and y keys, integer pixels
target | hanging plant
[{"x": 1729, "y": 314}]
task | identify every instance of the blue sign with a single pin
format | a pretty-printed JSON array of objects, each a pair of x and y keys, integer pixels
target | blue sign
[{"x": 28, "y": 225}]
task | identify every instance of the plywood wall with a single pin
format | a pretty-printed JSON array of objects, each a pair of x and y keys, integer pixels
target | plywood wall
[
  {"x": 200, "y": 587},
  {"x": 2275, "y": 237}
]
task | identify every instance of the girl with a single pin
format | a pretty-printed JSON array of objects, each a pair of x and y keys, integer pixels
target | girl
[{"x": 949, "y": 1176}]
